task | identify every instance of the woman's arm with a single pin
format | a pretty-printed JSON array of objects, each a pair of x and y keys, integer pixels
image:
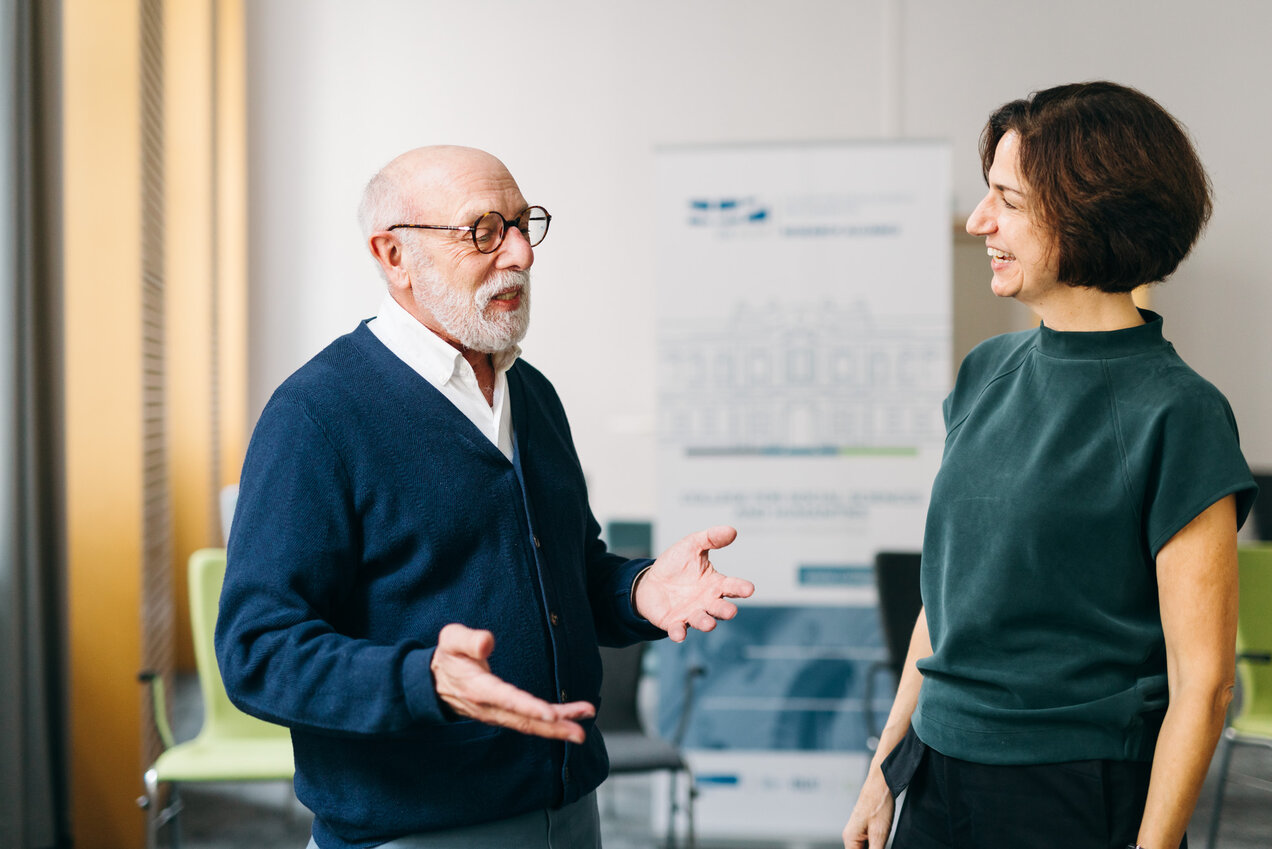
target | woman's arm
[
  {"x": 871, "y": 819},
  {"x": 1197, "y": 588}
]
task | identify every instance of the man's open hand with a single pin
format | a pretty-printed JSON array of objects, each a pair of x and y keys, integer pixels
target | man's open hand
[
  {"x": 682, "y": 590},
  {"x": 464, "y": 681}
]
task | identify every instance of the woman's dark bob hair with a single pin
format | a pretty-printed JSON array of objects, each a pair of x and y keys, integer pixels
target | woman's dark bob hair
[{"x": 1111, "y": 176}]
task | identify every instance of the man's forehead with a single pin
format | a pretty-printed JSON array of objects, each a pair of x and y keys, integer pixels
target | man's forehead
[
  {"x": 460, "y": 181},
  {"x": 481, "y": 195}
]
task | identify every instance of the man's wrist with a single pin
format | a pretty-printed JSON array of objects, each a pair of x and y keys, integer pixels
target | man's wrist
[{"x": 636, "y": 581}]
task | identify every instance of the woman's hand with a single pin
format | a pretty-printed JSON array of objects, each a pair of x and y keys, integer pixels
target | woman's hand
[{"x": 871, "y": 820}]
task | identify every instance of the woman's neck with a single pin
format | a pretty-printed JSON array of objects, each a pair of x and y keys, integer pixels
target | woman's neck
[{"x": 1076, "y": 309}]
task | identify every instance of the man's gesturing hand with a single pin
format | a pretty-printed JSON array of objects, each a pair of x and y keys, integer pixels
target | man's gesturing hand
[
  {"x": 464, "y": 681},
  {"x": 682, "y": 590}
]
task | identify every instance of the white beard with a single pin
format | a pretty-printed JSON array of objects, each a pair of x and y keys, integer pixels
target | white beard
[{"x": 466, "y": 321}]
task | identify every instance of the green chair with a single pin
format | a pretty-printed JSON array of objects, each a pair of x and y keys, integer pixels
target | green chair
[
  {"x": 1253, "y": 723},
  {"x": 231, "y": 746}
]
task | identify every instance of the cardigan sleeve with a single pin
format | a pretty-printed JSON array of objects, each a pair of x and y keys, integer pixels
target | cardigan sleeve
[
  {"x": 293, "y": 553},
  {"x": 610, "y": 579}
]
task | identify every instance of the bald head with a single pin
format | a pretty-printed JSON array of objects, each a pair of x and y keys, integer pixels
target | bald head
[
  {"x": 476, "y": 297},
  {"x": 422, "y": 182}
]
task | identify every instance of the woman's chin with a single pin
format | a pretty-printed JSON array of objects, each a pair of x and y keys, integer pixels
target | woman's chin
[{"x": 1004, "y": 288}]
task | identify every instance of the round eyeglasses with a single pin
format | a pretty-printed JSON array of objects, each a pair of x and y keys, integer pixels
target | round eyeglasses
[{"x": 488, "y": 231}]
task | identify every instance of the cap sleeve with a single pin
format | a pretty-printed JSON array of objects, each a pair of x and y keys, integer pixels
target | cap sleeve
[{"x": 1197, "y": 462}]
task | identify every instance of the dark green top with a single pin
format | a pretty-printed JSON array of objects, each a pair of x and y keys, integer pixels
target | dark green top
[{"x": 1070, "y": 460}]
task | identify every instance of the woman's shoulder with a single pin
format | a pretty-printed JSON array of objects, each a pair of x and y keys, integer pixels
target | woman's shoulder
[
  {"x": 990, "y": 360},
  {"x": 1162, "y": 380},
  {"x": 996, "y": 355},
  {"x": 1163, "y": 396}
]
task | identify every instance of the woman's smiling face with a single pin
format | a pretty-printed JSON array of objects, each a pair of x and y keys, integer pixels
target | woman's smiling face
[{"x": 1022, "y": 254}]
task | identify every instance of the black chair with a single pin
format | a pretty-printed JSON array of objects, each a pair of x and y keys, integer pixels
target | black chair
[
  {"x": 1263, "y": 505},
  {"x": 632, "y": 749},
  {"x": 897, "y": 582}
]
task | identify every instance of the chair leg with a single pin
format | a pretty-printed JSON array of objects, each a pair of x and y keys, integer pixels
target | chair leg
[
  {"x": 151, "y": 803},
  {"x": 157, "y": 817},
  {"x": 174, "y": 824},
  {"x": 691, "y": 841},
  {"x": 672, "y": 807},
  {"x": 1226, "y": 743}
]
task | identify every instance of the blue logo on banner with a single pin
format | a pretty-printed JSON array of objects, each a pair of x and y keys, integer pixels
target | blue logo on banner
[{"x": 726, "y": 212}]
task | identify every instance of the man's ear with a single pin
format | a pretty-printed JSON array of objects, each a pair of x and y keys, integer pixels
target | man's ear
[{"x": 387, "y": 251}]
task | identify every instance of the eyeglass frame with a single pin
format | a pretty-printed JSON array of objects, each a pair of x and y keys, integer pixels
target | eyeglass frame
[{"x": 503, "y": 229}]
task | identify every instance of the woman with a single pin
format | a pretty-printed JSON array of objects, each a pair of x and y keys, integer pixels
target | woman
[{"x": 1069, "y": 675}]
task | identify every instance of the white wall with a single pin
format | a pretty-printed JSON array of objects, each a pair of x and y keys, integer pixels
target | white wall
[{"x": 574, "y": 95}]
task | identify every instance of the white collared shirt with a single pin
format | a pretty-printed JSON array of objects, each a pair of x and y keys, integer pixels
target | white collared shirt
[{"x": 440, "y": 364}]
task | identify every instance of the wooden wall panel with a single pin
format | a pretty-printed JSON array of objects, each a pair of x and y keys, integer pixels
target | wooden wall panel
[{"x": 154, "y": 289}]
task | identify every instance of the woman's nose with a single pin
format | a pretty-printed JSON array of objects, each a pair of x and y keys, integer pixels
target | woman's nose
[{"x": 980, "y": 222}]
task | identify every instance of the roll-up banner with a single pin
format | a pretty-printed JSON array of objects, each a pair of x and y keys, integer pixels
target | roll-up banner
[{"x": 804, "y": 345}]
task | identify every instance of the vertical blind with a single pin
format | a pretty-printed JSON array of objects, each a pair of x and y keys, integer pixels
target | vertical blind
[{"x": 157, "y": 592}]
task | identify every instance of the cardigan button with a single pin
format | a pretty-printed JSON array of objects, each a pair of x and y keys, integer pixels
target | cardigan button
[
  {"x": 564, "y": 697},
  {"x": 536, "y": 542},
  {"x": 554, "y": 619}
]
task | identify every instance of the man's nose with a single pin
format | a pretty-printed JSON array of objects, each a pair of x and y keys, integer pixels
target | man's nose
[{"x": 515, "y": 252}]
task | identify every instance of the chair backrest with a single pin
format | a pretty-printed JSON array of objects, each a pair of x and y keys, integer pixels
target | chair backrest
[
  {"x": 621, "y": 667},
  {"x": 1262, "y": 510},
  {"x": 619, "y": 684},
  {"x": 897, "y": 580},
  {"x": 1254, "y": 627},
  {"x": 220, "y": 716}
]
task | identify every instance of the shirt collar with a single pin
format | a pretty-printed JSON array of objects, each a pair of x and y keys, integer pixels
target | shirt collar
[
  {"x": 423, "y": 350},
  {"x": 1103, "y": 344}
]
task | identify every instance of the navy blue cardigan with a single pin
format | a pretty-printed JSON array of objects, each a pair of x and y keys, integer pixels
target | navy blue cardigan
[{"x": 371, "y": 513}]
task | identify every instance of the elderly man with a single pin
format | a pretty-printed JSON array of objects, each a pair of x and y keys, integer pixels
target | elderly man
[{"x": 416, "y": 585}]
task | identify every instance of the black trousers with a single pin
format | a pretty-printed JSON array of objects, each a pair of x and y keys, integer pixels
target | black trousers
[{"x": 955, "y": 804}]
